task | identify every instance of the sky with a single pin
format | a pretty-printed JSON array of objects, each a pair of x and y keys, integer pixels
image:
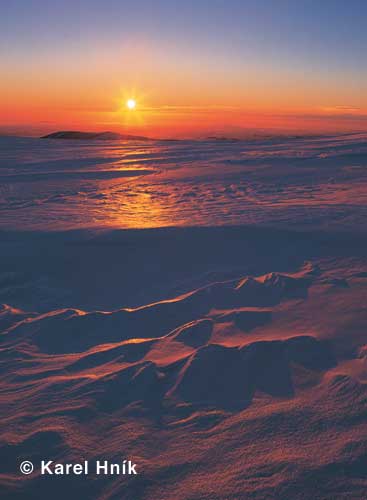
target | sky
[{"x": 193, "y": 67}]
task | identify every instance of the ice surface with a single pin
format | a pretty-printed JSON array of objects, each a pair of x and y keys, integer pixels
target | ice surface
[{"x": 305, "y": 181}]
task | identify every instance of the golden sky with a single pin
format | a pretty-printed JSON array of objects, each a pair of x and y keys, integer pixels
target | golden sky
[{"x": 192, "y": 72}]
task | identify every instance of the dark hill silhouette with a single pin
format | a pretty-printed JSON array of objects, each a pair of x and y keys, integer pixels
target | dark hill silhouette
[{"x": 107, "y": 136}]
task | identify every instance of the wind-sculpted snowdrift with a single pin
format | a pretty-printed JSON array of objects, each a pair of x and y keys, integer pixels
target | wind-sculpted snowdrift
[{"x": 233, "y": 390}]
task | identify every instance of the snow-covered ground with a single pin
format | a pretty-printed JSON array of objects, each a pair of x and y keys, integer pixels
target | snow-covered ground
[
  {"x": 228, "y": 362},
  {"x": 303, "y": 182}
]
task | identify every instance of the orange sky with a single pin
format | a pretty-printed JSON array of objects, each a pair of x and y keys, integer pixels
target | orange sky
[
  {"x": 54, "y": 104},
  {"x": 181, "y": 103},
  {"x": 211, "y": 82}
]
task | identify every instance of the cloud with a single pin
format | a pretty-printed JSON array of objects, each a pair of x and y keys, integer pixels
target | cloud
[{"x": 342, "y": 109}]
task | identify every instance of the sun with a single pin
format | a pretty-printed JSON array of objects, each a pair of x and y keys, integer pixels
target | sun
[{"x": 131, "y": 103}]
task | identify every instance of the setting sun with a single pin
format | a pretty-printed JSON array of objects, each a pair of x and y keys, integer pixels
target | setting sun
[{"x": 131, "y": 103}]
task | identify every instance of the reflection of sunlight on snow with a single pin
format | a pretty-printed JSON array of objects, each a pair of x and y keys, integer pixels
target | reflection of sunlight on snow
[{"x": 138, "y": 210}]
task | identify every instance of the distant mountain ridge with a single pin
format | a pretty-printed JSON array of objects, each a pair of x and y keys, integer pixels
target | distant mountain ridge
[{"x": 107, "y": 136}]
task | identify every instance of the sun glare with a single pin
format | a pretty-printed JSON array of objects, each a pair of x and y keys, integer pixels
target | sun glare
[{"x": 131, "y": 104}]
